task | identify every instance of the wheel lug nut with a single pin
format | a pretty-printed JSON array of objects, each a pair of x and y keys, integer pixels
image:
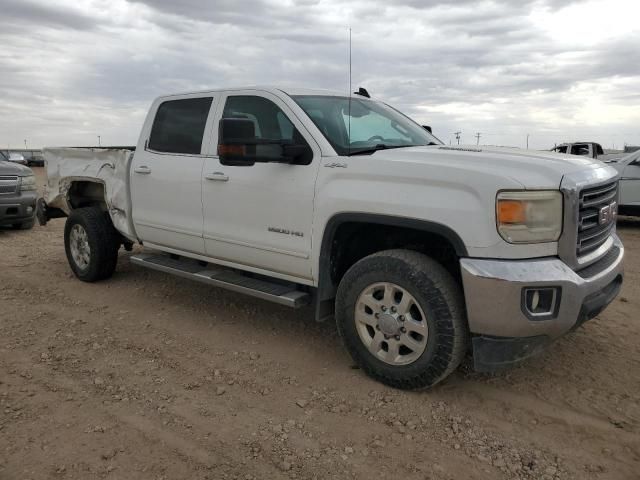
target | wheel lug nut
[
  {"x": 393, "y": 309},
  {"x": 383, "y": 308},
  {"x": 377, "y": 315},
  {"x": 403, "y": 330},
  {"x": 401, "y": 318},
  {"x": 397, "y": 337}
]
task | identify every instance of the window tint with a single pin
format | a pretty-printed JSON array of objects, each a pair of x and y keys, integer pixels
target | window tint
[
  {"x": 179, "y": 125},
  {"x": 269, "y": 121},
  {"x": 580, "y": 149},
  {"x": 272, "y": 129}
]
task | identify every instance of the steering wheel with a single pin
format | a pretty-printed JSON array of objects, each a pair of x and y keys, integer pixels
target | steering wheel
[{"x": 376, "y": 137}]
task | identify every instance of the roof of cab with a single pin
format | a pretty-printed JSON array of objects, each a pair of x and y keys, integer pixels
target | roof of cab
[{"x": 272, "y": 89}]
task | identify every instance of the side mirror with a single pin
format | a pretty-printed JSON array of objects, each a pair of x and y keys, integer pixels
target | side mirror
[
  {"x": 427, "y": 128},
  {"x": 238, "y": 146},
  {"x": 235, "y": 137}
]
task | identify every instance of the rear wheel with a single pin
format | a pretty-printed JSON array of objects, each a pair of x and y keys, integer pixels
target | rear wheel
[
  {"x": 91, "y": 244},
  {"x": 401, "y": 317}
]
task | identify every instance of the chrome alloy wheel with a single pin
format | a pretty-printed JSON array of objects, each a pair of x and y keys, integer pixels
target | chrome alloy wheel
[
  {"x": 391, "y": 323},
  {"x": 79, "y": 246}
]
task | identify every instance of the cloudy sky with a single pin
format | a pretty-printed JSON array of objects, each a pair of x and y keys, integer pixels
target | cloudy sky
[{"x": 558, "y": 70}]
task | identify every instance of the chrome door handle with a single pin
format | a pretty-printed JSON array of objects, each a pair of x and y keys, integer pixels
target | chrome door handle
[
  {"x": 217, "y": 176},
  {"x": 142, "y": 169}
]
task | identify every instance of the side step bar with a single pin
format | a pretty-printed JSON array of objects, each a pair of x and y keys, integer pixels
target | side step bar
[{"x": 282, "y": 293}]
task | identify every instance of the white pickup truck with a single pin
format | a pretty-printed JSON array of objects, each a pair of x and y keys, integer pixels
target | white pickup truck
[{"x": 420, "y": 251}]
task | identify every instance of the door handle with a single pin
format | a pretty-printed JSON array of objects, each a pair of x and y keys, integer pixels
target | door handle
[
  {"x": 217, "y": 176},
  {"x": 143, "y": 169}
]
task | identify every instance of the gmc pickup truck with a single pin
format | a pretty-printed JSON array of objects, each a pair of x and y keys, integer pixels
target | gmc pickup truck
[{"x": 421, "y": 252}]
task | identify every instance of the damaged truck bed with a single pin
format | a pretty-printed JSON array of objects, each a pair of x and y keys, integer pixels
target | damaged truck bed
[{"x": 94, "y": 173}]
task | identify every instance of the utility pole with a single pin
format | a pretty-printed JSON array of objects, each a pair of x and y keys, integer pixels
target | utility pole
[
  {"x": 527, "y": 141},
  {"x": 457, "y": 134},
  {"x": 99, "y": 140},
  {"x": 25, "y": 144},
  {"x": 478, "y": 135}
]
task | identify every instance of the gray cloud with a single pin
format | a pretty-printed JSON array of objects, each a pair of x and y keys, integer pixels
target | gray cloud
[
  {"x": 22, "y": 14},
  {"x": 491, "y": 66}
]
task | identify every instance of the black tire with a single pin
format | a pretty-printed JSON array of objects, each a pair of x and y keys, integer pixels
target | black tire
[
  {"x": 103, "y": 242},
  {"x": 439, "y": 296},
  {"x": 28, "y": 225}
]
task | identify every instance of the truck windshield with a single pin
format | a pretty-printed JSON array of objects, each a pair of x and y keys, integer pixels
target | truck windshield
[{"x": 363, "y": 127}]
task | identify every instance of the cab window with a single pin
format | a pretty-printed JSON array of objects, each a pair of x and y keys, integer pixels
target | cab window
[
  {"x": 270, "y": 123},
  {"x": 179, "y": 125},
  {"x": 269, "y": 120}
]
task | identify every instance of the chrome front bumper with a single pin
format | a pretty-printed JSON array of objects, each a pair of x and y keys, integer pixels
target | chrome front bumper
[{"x": 494, "y": 300}]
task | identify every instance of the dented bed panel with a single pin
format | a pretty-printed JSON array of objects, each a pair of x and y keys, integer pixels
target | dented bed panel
[{"x": 106, "y": 166}]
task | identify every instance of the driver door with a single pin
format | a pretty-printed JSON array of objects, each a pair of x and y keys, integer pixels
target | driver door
[{"x": 259, "y": 217}]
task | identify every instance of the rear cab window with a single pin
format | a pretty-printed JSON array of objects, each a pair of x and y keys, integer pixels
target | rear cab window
[
  {"x": 581, "y": 149},
  {"x": 179, "y": 126}
]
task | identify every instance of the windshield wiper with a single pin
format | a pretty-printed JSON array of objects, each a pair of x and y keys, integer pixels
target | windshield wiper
[
  {"x": 383, "y": 146},
  {"x": 380, "y": 146}
]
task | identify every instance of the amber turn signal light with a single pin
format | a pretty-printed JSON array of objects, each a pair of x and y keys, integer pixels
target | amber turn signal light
[{"x": 511, "y": 211}]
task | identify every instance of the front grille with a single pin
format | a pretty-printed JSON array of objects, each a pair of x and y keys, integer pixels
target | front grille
[
  {"x": 591, "y": 234},
  {"x": 595, "y": 268},
  {"x": 8, "y": 185}
]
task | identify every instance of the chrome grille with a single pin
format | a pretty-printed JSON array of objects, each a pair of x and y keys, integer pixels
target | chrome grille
[
  {"x": 8, "y": 185},
  {"x": 592, "y": 234}
]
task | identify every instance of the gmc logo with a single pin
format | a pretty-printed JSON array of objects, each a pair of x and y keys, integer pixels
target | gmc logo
[{"x": 608, "y": 213}]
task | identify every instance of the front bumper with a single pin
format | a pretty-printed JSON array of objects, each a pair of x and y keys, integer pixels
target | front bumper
[
  {"x": 17, "y": 208},
  {"x": 503, "y": 332}
]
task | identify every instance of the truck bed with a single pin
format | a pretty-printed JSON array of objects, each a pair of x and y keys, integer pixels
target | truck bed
[{"x": 107, "y": 166}]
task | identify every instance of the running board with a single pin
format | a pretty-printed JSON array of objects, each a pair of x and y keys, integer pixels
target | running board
[{"x": 282, "y": 293}]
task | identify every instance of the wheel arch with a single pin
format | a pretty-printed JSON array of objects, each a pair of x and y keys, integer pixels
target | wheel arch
[
  {"x": 86, "y": 193},
  {"x": 345, "y": 225}
]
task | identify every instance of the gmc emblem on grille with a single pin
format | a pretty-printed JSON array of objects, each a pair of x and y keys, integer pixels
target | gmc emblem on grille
[{"x": 608, "y": 213}]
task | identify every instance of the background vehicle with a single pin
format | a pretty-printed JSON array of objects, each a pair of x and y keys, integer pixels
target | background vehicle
[
  {"x": 419, "y": 250},
  {"x": 586, "y": 149},
  {"x": 36, "y": 160},
  {"x": 17, "y": 195},
  {"x": 629, "y": 168},
  {"x": 17, "y": 158}
]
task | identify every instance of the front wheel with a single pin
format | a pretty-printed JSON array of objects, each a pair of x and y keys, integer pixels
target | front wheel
[
  {"x": 91, "y": 244},
  {"x": 401, "y": 317}
]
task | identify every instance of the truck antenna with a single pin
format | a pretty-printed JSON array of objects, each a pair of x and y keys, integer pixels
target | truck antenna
[{"x": 349, "y": 126}]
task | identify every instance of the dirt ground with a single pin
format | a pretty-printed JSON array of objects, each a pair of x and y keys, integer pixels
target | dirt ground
[{"x": 147, "y": 376}]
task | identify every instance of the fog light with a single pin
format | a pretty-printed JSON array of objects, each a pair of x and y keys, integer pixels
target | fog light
[
  {"x": 541, "y": 303},
  {"x": 29, "y": 210}
]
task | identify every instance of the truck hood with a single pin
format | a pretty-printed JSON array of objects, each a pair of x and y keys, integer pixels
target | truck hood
[
  {"x": 531, "y": 168},
  {"x": 11, "y": 168}
]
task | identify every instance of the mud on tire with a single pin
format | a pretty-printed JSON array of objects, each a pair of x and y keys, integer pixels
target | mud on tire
[
  {"x": 102, "y": 241},
  {"x": 436, "y": 294}
]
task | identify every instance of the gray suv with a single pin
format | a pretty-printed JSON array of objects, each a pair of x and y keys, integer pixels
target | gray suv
[{"x": 17, "y": 196}]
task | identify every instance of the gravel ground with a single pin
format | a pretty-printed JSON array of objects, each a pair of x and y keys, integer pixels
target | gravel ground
[{"x": 148, "y": 376}]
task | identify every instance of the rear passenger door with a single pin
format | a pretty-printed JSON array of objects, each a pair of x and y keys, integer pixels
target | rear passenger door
[{"x": 166, "y": 173}]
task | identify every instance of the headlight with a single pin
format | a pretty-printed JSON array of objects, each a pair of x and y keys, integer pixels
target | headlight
[
  {"x": 529, "y": 216},
  {"x": 28, "y": 183}
]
